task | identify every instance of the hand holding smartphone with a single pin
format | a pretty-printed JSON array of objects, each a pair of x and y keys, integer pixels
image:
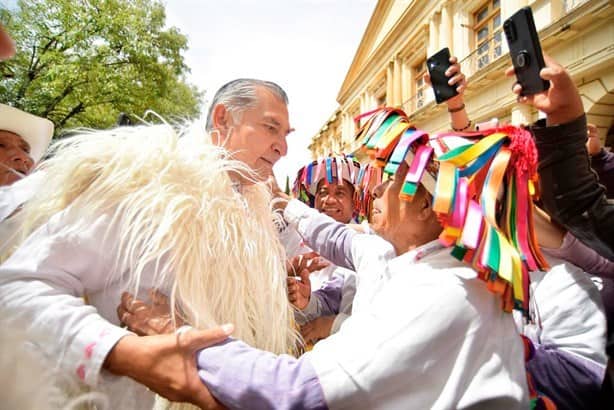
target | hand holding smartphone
[
  {"x": 525, "y": 51},
  {"x": 437, "y": 64}
]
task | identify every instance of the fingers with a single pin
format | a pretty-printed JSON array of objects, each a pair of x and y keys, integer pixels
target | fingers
[
  {"x": 317, "y": 264},
  {"x": 525, "y": 99},
  {"x": 295, "y": 264},
  {"x": 517, "y": 88},
  {"x": 453, "y": 60},
  {"x": 457, "y": 79},
  {"x": 199, "y": 339},
  {"x": 131, "y": 304},
  {"x": 310, "y": 261},
  {"x": 304, "y": 275},
  {"x": 453, "y": 69},
  {"x": 160, "y": 325},
  {"x": 553, "y": 71},
  {"x": 510, "y": 71},
  {"x": 427, "y": 79},
  {"x": 120, "y": 313},
  {"x": 135, "y": 325},
  {"x": 293, "y": 295},
  {"x": 126, "y": 300},
  {"x": 549, "y": 73},
  {"x": 292, "y": 285},
  {"x": 157, "y": 297}
]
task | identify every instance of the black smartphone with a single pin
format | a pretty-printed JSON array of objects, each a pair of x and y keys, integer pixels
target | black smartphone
[
  {"x": 437, "y": 64},
  {"x": 525, "y": 51}
]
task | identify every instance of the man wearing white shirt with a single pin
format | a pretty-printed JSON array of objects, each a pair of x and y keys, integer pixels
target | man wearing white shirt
[
  {"x": 424, "y": 333},
  {"x": 43, "y": 282}
]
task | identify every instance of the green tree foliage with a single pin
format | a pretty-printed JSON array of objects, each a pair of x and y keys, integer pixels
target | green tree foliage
[{"x": 82, "y": 62}]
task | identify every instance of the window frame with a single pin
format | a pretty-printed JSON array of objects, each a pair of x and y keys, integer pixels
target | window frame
[{"x": 490, "y": 55}]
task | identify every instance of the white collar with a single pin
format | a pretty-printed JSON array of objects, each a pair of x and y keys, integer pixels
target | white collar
[
  {"x": 422, "y": 252},
  {"x": 418, "y": 253}
]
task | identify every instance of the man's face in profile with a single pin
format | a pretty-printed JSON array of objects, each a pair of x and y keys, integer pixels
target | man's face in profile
[{"x": 258, "y": 137}]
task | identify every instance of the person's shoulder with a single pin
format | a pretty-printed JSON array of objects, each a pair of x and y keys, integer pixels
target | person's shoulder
[
  {"x": 373, "y": 246},
  {"x": 444, "y": 264}
]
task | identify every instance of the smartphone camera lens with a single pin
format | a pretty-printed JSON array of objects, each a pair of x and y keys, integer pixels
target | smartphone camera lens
[
  {"x": 509, "y": 30},
  {"x": 522, "y": 59}
]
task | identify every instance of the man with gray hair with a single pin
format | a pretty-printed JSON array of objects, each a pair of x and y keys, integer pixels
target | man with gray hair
[
  {"x": 249, "y": 118},
  {"x": 43, "y": 280}
]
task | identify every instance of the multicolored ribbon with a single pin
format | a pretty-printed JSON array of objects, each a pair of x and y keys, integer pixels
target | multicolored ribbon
[
  {"x": 483, "y": 199},
  {"x": 482, "y": 187}
]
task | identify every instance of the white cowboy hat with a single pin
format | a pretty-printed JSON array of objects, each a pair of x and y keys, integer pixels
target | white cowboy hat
[{"x": 36, "y": 131}]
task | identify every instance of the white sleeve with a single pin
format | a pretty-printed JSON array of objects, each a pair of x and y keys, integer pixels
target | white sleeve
[
  {"x": 42, "y": 287},
  {"x": 341, "y": 245},
  {"x": 411, "y": 349},
  {"x": 347, "y": 298},
  {"x": 567, "y": 311},
  {"x": 338, "y": 321}
]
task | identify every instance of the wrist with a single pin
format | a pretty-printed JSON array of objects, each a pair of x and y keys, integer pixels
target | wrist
[
  {"x": 122, "y": 358},
  {"x": 453, "y": 109},
  {"x": 565, "y": 115},
  {"x": 455, "y": 102}
]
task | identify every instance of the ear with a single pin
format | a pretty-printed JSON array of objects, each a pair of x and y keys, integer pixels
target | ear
[
  {"x": 425, "y": 210},
  {"x": 221, "y": 118}
]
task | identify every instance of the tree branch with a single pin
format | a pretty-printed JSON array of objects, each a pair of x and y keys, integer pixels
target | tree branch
[{"x": 76, "y": 110}]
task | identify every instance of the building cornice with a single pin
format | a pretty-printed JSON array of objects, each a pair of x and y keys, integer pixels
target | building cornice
[{"x": 403, "y": 31}]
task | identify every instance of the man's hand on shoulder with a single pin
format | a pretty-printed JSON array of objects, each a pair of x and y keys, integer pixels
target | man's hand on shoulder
[{"x": 166, "y": 364}]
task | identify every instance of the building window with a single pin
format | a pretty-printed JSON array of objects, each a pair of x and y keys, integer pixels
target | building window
[
  {"x": 420, "y": 84},
  {"x": 572, "y": 4},
  {"x": 487, "y": 30}
]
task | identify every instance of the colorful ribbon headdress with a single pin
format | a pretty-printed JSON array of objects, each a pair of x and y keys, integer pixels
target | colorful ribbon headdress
[
  {"x": 484, "y": 200},
  {"x": 389, "y": 139},
  {"x": 482, "y": 194},
  {"x": 332, "y": 169}
]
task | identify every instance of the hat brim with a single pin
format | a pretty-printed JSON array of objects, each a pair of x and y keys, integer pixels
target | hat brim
[{"x": 36, "y": 131}]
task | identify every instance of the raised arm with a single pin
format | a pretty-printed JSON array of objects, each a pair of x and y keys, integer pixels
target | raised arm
[
  {"x": 329, "y": 238},
  {"x": 570, "y": 190}
]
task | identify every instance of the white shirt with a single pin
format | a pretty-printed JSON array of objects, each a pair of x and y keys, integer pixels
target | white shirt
[
  {"x": 567, "y": 313},
  {"x": 424, "y": 333},
  {"x": 42, "y": 286}
]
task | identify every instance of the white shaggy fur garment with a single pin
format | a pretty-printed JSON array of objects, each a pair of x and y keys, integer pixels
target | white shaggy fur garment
[{"x": 178, "y": 210}]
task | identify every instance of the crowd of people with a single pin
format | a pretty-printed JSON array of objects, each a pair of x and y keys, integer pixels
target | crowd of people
[{"x": 158, "y": 267}]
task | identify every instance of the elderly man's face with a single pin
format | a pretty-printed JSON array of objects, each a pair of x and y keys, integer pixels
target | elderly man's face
[
  {"x": 335, "y": 200},
  {"x": 258, "y": 137},
  {"x": 14, "y": 154}
]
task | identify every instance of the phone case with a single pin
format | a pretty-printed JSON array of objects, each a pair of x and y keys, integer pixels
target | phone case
[
  {"x": 437, "y": 64},
  {"x": 525, "y": 51}
]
